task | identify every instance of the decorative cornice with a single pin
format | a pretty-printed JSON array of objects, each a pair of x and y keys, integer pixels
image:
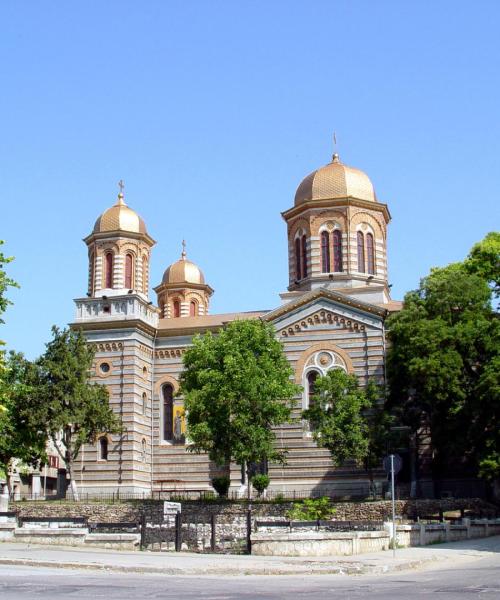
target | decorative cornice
[
  {"x": 322, "y": 317},
  {"x": 337, "y": 202},
  {"x": 103, "y": 235}
]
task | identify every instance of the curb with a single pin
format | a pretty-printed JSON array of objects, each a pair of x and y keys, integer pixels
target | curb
[{"x": 337, "y": 569}]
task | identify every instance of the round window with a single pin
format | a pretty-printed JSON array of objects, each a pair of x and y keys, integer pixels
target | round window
[{"x": 104, "y": 367}]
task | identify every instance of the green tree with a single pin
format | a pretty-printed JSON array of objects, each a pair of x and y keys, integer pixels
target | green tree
[
  {"x": 236, "y": 387},
  {"x": 73, "y": 411},
  {"x": 443, "y": 364},
  {"x": 340, "y": 417},
  {"x": 22, "y": 438},
  {"x": 484, "y": 260}
]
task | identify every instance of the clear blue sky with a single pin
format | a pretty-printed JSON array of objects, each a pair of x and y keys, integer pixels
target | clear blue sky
[{"x": 212, "y": 112}]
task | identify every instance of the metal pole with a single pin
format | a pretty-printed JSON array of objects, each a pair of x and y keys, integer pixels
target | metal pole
[{"x": 393, "y": 509}]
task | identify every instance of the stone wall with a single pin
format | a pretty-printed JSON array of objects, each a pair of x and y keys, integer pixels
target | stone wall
[{"x": 225, "y": 511}]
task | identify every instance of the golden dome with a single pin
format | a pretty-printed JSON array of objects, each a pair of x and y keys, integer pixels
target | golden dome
[
  {"x": 183, "y": 271},
  {"x": 120, "y": 218},
  {"x": 335, "y": 180}
]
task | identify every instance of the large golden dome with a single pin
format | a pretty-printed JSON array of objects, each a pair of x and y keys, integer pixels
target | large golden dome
[
  {"x": 183, "y": 271},
  {"x": 335, "y": 180},
  {"x": 120, "y": 218}
]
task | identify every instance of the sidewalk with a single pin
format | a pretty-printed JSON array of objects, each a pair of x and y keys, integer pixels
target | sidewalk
[{"x": 190, "y": 564}]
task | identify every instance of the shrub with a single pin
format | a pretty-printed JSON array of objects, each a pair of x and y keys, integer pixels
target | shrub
[
  {"x": 221, "y": 485},
  {"x": 260, "y": 482},
  {"x": 311, "y": 509}
]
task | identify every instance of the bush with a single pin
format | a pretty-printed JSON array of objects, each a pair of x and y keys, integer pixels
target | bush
[
  {"x": 260, "y": 482},
  {"x": 221, "y": 485},
  {"x": 311, "y": 509}
]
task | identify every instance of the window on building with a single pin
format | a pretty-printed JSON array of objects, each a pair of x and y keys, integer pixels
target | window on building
[
  {"x": 144, "y": 450},
  {"x": 370, "y": 254},
  {"x": 337, "y": 251},
  {"x": 298, "y": 268},
  {"x": 168, "y": 412},
  {"x": 128, "y": 271},
  {"x": 144, "y": 403},
  {"x": 103, "y": 448},
  {"x": 325, "y": 252},
  {"x": 192, "y": 309},
  {"x": 311, "y": 390},
  {"x": 108, "y": 270},
  {"x": 177, "y": 308},
  {"x": 162, "y": 309},
  {"x": 304, "y": 256},
  {"x": 361, "y": 252},
  {"x": 145, "y": 274},
  {"x": 91, "y": 273}
]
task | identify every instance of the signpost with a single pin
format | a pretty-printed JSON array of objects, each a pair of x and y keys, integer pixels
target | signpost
[{"x": 392, "y": 465}]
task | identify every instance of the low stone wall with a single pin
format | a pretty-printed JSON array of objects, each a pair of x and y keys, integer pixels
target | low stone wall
[
  {"x": 344, "y": 511},
  {"x": 309, "y": 542},
  {"x": 319, "y": 543}
]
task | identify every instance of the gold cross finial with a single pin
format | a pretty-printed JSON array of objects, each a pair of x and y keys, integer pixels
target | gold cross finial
[
  {"x": 335, "y": 157},
  {"x": 183, "y": 249},
  {"x": 121, "y": 185}
]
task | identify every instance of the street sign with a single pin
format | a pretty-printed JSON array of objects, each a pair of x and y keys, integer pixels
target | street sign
[{"x": 398, "y": 464}]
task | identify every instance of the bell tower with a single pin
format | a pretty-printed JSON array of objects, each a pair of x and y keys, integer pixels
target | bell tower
[{"x": 337, "y": 232}]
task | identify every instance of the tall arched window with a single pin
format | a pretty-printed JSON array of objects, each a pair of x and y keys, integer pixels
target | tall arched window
[
  {"x": 177, "y": 308},
  {"x": 168, "y": 412},
  {"x": 370, "y": 254},
  {"x": 311, "y": 383},
  {"x": 128, "y": 271},
  {"x": 144, "y": 403},
  {"x": 144, "y": 450},
  {"x": 103, "y": 448},
  {"x": 91, "y": 273},
  {"x": 145, "y": 274},
  {"x": 325, "y": 252},
  {"x": 304, "y": 256},
  {"x": 361, "y": 252},
  {"x": 109, "y": 270},
  {"x": 298, "y": 267},
  {"x": 192, "y": 308},
  {"x": 337, "y": 251},
  {"x": 162, "y": 309}
]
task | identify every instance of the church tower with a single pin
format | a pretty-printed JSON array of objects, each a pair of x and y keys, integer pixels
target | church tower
[
  {"x": 183, "y": 291},
  {"x": 337, "y": 232}
]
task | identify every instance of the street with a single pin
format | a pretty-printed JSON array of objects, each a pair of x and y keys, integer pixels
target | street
[{"x": 477, "y": 578}]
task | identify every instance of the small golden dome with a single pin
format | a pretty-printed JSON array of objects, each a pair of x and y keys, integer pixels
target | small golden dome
[
  {"x": 183, "y": 271},
  {"x": 335, "y": 180},
  {"x": 120, "y": 218}
]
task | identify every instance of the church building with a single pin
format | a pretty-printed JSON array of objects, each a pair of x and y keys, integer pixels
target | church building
[{"x": 331, "y": 317}]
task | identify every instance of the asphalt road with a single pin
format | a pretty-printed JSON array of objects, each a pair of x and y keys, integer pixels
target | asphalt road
[{"x": 479, "y": 578}]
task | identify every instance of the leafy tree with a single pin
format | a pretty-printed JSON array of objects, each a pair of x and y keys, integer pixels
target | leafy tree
[
  {"x": 261, "y": 482},
  {"x": 443, "y": 363},
  {"x": 312, "y": 509},
  {"x": 22, "y": 438},
  {"x": 484, "y": 260},
  {"x": 73, "y": 411},
  {"x": 5, "y": 283},
  {"x": 236, "y": 387},
  {"x": 339, "y": 417}
]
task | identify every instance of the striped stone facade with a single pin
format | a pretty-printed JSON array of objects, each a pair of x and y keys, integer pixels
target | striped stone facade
[{"x": 327, "y": 319}]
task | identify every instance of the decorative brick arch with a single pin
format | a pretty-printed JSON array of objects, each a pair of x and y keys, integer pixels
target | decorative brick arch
[
  {"x": 296, "y": 225},
  {"x": 365, "y": 217},
  {"x": 327, "y": 215},
  {"x": 304, "y": 357},
  {"x": 162, "y": 381}
]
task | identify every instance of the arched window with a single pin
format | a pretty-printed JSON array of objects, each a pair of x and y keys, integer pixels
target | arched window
[
  {"x": 311, "y": 384},
  {"x": 361, "y": 252},
  {"x": 337, "y": 251},
  {"x": 144, "y": 403},
  {"x": 304, "y": 256},
  {"x": 298, "y": 268},
  {"x": 177, "y": 308},
  {"x": 91, "y": 273},
  {"x": 370, "y": 254},
  {"x": 162, "y": 309},
  {"x": 128, "y": 271},
  {"x": 192, "y": 308},
  {"x": 103, "y": 448},
  {"x": 145, "y": 274},
  {"x": 168, "y": 412},
  {"x": 144, "y": 450},
  {"x": 109, "y": 270},
  {"x": 325, "y": 252}
]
